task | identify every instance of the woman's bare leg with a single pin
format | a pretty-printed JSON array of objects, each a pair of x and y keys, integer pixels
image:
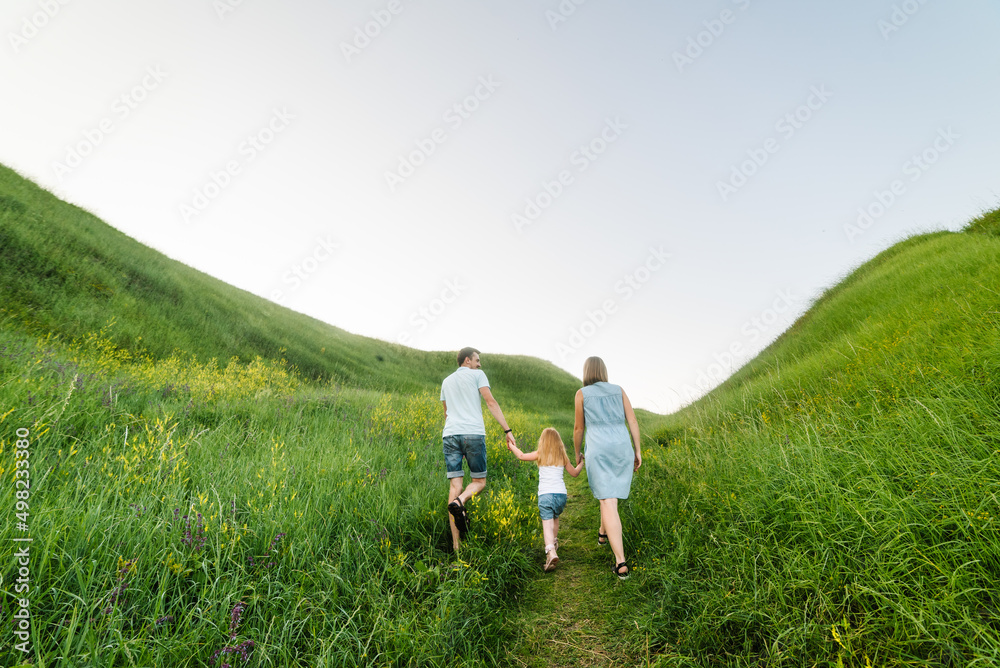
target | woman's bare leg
[{"x": 611, "y": 522}]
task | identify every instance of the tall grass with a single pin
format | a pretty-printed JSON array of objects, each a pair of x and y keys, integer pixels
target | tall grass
[
  {"x": 835, "y": 503},
  {"x": 219, "y": 480},
  {"x": 244, "y": 511}
]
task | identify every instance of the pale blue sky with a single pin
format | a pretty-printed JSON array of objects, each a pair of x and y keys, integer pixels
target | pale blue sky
[{"x": 314, "y": 197}]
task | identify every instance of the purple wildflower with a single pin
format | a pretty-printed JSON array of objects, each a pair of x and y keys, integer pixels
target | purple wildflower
[
  {"x": 115, "y": 595},
  {"x": 195, "y": 540},
  {"x": 274, "y": 545},
  {"x": 234, "y": 619},
  {"x": 243, "y": 649}
]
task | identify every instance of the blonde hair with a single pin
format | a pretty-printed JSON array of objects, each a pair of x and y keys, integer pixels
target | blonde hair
[
  {"x": 551, "y": 451},
  {"x": 594, "y": 371}
]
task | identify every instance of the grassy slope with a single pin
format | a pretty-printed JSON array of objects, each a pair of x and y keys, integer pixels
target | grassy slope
[
  {"x": 320, "y": 496},
  {"x": 835, "y": 500},
  {"x": 65, "y": 272},
  {"x": 832, "y": 502}
]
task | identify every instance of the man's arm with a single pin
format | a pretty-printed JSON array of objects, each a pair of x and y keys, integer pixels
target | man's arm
[
  {"x": 445, "y": 404},
  {"x": 497, "y": 414}
]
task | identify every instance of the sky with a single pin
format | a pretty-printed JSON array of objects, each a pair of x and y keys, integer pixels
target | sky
[{"x": 666, "y": 185}]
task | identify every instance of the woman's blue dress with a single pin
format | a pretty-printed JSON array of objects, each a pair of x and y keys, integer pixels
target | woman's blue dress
[{"x": 609, "y": 452}]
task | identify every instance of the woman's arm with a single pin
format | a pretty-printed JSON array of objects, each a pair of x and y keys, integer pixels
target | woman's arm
[
  {"x": 633, "y": 427},
  {"x": 578, "y": 425}
]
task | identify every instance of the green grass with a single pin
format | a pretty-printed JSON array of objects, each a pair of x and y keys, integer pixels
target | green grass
[
  {"x": 321, "y": 509},
  {"x": 988, "y": 223},
  {"x": 580, "y": 615},
  {"x": 154, "y": 392},
  {"x": 833, "y": 503}
]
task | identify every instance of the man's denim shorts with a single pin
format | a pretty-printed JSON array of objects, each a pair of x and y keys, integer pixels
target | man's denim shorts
[
  {"x": 550, "y": 506},
  {"x": 470, "y": 446}
]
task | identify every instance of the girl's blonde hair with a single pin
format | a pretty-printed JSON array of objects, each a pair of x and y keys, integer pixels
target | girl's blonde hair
[{"x": 551, "y": 451}]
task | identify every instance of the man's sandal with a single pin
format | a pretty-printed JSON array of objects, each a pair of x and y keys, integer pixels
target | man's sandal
[
  {"x": 617, "y": 570},
  {"x": 551, "y": 561},
  {"x": 602, "y": 538},
  {"x": 457, "y": 510}
]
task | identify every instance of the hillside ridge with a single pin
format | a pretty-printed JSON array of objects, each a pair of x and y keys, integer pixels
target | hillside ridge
[{"x": 69, "y": 273}]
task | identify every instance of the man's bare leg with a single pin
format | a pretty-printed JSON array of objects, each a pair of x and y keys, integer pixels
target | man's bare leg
[
  {"x": 455, "y": 491},
  {"x": 475, "y": 487}
]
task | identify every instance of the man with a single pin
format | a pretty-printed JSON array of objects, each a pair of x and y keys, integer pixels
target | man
[{"x": 465, "y": 435}]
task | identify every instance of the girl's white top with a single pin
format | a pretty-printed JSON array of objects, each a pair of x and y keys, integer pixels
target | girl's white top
[{"x": 550, "y": 480}]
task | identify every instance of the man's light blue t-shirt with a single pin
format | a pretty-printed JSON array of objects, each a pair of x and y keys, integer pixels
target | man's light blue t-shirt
[{"x": 460, "y": 391}]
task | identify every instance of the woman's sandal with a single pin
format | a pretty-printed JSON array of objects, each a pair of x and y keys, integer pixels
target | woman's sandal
[
  {"x": 617, "y": 570},
  {"x": 600, "y": 536}
]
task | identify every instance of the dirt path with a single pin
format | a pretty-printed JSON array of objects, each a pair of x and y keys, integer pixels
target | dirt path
[{"x": 564, "y": 615}]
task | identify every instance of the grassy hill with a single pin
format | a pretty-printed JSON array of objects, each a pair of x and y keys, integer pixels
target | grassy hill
[
  {"x": 207, "y": 477},
  {"x": 835, "y": 501},
  {"x": 67, "y": 273}
]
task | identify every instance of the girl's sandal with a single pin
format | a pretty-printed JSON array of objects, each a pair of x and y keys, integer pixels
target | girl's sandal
[
  {"x": 602, "y": 538},
  {"x": 617, "y": 570}
]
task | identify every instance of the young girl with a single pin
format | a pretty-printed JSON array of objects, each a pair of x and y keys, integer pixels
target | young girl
[{"x": 552, "y": 461}]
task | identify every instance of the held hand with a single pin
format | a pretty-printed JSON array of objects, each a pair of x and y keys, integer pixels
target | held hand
[{"x": 511, "y": 441}]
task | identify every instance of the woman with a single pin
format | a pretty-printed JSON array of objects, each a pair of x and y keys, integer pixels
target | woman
[{"x": 604, "y": 411}]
